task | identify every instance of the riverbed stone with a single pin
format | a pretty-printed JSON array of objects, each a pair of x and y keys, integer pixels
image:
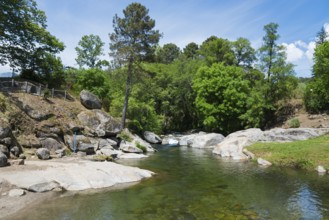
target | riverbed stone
[
  {"x": 263, "y": 162},
  {"x": 321, "y": 169},
  {"x": 16, "y": 193},
  {"x": 4, "y": 149},
  {"x": 152, "y": 137},
  {"x": 292, "y": 134},
  {"x": 129, "y": 147},
  {"x": 3, "y": 160},
  {"x": 44, "y": 187},
  {"x": 233, "y": 148},
  {"x": 43, "y": 153},
  {"x": 206, "y": 140}
]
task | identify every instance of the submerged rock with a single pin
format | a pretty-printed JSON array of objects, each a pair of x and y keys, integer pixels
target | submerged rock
[{"x": 263, "y": 162}]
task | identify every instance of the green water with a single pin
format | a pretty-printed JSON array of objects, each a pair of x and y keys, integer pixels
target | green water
[{"x": 195, "y": 184}]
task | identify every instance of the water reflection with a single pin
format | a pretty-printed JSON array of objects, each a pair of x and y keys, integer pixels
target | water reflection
[{"x": 195, "y": 184}]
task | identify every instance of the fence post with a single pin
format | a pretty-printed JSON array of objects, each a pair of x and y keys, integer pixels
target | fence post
[
  {"x": 39, "y": 89},
  {"x": 25, "y": 86},
  {"x": 65, "y": 96},
  {"x": 52, "y": 93}
]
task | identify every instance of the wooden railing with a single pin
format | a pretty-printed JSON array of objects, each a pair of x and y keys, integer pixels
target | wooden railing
[{"x": 32, "y": 88}]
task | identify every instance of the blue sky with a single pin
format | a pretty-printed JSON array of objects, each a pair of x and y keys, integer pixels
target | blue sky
[{"x": 185, "y": 21}]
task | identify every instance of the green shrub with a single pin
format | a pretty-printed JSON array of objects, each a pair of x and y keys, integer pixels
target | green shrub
[
  {"x": 3, "y": 104},
  {"x": 294, "y": 123},
  {"x": 46, "y": 93},
  {"x": 125, "y": 136},
  {"x": 142, "y": 147}
]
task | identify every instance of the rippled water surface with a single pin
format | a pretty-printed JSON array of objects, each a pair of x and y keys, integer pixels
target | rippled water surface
[{"x": 195, "y": 184}]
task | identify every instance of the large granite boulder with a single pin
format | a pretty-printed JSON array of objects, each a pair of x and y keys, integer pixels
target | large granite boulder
[
  {"x": 43, "y": 153},
  {"x": 82, "y": 143},
  {"x": 185, "y": 139},
  {"x": 233, "y": 147},
  {"x": 292, "y": 134},
  {"x": 51, "y": 144},
  {"x": 152, "y": 138},
  {"x": 89, "y": 100},
  {"x": 205, "y": 140},
  {"x": 100, "y": 123},
  {"x": 253, "y": 134},
  {"x": 3, "y": 160}
]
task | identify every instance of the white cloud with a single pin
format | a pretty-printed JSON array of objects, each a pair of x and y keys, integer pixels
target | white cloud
[
  {"x": 310, "y": 50},
  {"x": 300, "y": 54},
  {"x": 293, "y": 52}
]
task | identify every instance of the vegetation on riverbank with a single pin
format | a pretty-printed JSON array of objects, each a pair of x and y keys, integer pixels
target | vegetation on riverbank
[{"x": 306, "y": 154}]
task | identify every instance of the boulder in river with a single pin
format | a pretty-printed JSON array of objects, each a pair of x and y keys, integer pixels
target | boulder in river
[
  {"x": 152, "y": 138},
  {"x": 206, "y": 140},
  {"x": 233, "y": 147}
]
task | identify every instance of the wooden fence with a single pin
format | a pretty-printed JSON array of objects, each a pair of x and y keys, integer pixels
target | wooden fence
[{"x": 32, "y": 88}]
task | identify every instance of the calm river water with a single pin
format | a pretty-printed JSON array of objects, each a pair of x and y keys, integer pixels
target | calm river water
[{"x": 195, "y": 184}]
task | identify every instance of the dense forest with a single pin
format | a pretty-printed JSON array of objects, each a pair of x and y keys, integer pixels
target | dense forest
[{"x": 220, "y": 85}]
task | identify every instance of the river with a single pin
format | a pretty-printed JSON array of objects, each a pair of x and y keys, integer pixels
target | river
[{"x": 195, "y": 184}]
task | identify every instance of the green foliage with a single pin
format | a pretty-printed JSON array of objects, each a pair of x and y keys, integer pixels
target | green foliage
[
  {"x": 94, "y": 80},
  {"x": 142, "y": 147},
  {"x": 245, "y": 55},
  {"x": 89, "y": 50},
  {"x": 221, "y": 97},
  {"x": 133, "y": 41},
  {"x": 46, "y": 93},
  {"x": 191, "y": 51},
  {"x": 216, "y": 50},
  {"x": 294, "y": 123},
  {"x": 3, "y": 103},
  {"x": 168, "y": 53},
  {"x": 24, "y": 40},
  {"x": 125, "y": 136}
]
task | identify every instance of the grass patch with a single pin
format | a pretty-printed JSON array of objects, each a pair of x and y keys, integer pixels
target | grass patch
[{"x": 306, "y": 154}]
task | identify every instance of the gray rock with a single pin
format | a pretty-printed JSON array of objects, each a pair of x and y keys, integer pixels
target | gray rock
[
  {"x": 60, "y": 153},
  {"x": 4, "y": 130},
  {"x": 263, "y": 162},
  {"x": 233, "y": 147},
  {"x": 109, "y": 151},
  {"x": 129, "y": 147},
  {"x": 16, "y": 162},
  {"x": 6, "y": 141},
  {"x": 3, "y": 160},
  {"x": 48, "y": 129},
  {"x": 100, "y": 123},
  {"x": 15, "y": 151},
  {"x": 106, "y": 143},
  {"x": 88, "y": 148},
  {"x": 184, "y": 140},
  {"x": 81, "y": 154},
  {"x": 4, "y": 150},
  {"x": 89, "y": 100},
  {"x": 29, "y": 141},
  {"x": 292, "y": 134},
  {"x": 321, "y": 169},
  {"x": 51, "y": 144},
  {"x": 16, "y": 193},
  {"x": 205, "y": 140},
  {"x": 136, "y": 140},
  {"x": 253, "y": 134},
  {"x": 152, "y": 138},
  {"x": 44, "y": 187},
  {"x": 43, "y": 153},
  {"x": 170, "y": 139}
]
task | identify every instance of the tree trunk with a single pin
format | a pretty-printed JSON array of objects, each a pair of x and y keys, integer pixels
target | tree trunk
[{"x": 128, "y": 88}]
